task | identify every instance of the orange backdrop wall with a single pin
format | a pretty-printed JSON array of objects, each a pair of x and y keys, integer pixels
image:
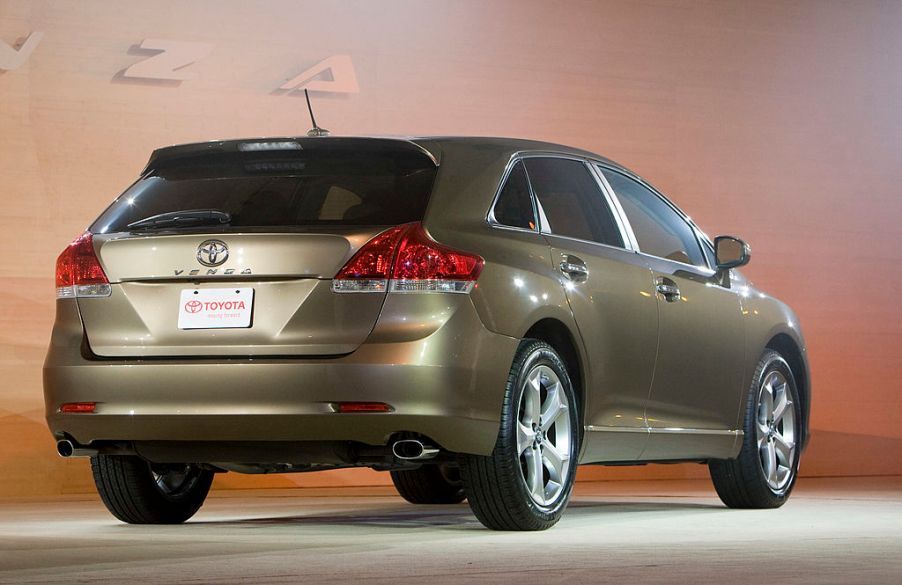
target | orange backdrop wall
[{"x": 777, "y": 121}]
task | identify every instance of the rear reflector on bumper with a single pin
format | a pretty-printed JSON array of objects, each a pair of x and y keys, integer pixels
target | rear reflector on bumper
[{"x": 78, "y": 407}]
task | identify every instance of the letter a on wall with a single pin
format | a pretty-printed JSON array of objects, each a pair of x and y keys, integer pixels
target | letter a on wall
[
  {"x": 335, "y": 75},
  {"x": 12, "y": 59},
  {"x": 171, "y": 62}
]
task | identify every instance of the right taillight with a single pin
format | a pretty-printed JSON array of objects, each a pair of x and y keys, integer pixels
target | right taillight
[
  {"x": 405, "y": 259},
  {"x": 423, "y": 265},
  {"x": 78, "y": 271}
]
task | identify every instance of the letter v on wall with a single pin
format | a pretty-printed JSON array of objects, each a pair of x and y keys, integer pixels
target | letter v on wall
[{"x": 11, "y": 58}]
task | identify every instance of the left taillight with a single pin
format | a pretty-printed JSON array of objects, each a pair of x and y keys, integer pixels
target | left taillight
[{"x": 78, "y": 271}]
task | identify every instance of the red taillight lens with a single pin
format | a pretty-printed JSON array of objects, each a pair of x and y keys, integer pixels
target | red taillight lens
[
  {"x": 423, "y": 265},
  {"x": 406, "y": 259},
  {"x": 369, "y": 269},
  {"x": 78, "y": 271}
]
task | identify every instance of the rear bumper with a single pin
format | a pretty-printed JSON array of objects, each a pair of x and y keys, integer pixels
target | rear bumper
[{"x": 447, "y": 384}]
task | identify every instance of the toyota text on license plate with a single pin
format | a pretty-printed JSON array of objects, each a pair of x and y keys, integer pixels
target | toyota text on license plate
[{"x": 215, "y": 308}]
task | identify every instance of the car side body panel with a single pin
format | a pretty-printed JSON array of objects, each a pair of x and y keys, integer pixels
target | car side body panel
[
  {"x": 617, "y": 319},
  {"x": 693, "y": 402}
]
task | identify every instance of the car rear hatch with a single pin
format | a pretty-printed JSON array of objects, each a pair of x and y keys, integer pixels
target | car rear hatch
[{"x": 229, "y": 249}]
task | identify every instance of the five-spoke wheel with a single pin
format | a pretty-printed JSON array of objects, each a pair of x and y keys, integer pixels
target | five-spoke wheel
[
  {"x": 763, "y": 474},
  {"x": 544, "y": 435},
  {"x": 776, "y": 430},
  {"x": 525, "y": 483}
]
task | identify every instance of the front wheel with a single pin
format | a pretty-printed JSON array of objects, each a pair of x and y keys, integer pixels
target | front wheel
[
  {"x": 139, "y": 492},
  {"x": 765, "y": 472},
  {"x": 526, "y": 482}
]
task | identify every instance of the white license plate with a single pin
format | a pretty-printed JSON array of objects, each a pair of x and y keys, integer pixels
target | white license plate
[{"x": 215, "y": 308}]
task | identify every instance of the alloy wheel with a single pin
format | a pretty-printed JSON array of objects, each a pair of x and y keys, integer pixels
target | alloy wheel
[
  {"x": 776, "y": 431},
  {"x": 544, "y": 436}
]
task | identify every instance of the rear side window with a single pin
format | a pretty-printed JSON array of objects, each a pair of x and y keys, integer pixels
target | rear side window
[
  {"x": 514, "y": 206},
  {"x": 282, "y": 190},
  {"x": 659, "y": 229},
  {"x": 572, "y": 200}
]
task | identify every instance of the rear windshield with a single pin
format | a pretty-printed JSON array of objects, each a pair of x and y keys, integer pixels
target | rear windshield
[{"x": 282, "y": 190}]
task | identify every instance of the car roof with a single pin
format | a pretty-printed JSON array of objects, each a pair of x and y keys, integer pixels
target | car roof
[
  {"x": 431, "y": 146},
  {"x": 511, "y": 145}
]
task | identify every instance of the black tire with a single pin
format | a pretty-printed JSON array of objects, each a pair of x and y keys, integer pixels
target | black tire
[
  {"x": 743, "y": 482},
  {"x": 495, "y": 485},
  {"x": 133, "y": 493},
  {"x": 430, "y": 484}
]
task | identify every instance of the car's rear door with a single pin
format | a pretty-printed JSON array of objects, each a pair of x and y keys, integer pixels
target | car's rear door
[
  {"x": 609, "y": 289},
  {"x": 261, "y": 283},
  {"x": 699, "y": 370}
]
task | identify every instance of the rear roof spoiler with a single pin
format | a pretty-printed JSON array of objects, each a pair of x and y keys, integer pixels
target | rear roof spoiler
[{"x": 331, "y": 143}]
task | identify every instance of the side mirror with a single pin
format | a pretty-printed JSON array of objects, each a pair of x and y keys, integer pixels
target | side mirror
[{"x": 731, "y": 252}]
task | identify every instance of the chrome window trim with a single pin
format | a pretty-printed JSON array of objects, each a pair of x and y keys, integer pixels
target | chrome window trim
[
  {"x": 592, "y": 242},
  {"x": 545, "y": 229},
  {"x": 699, "y": 270},
  {"x": 707, "y": 269},
  {"x": 541, "y": 219},
  {"x": 490, "y": 216},
  {"x": 626, "y": 228}
]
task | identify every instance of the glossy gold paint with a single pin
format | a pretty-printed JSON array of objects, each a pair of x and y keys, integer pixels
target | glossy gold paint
[{"x": 659, "y": 380}]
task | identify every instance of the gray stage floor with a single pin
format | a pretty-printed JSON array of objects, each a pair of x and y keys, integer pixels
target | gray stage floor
[{"x": 832, "y": 531}]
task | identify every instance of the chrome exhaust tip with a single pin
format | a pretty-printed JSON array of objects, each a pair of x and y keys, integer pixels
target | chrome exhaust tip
[
  {"x": 66, "y": 448},
  {"x": 413, "y": 450}
]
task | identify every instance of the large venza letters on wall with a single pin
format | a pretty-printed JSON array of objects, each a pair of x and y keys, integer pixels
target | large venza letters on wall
[
  {"x": 11, "y": 58},
  {"x": 335, "y": 75},
  {"x": 171, "y": 62},
  {"x": 168, "y": 61}
]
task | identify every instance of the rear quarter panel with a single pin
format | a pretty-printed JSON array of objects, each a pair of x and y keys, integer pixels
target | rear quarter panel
[{"x": 519, "y": 285}]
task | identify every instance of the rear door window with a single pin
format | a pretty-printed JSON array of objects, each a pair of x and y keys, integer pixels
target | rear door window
[
  {"x": 572, "y": 201},
  {"x": 279, "y": 190}
]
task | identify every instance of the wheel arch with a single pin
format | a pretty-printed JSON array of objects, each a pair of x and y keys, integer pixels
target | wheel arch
[
  {"x": 556, "y": 334},
  {"x": 787, "y": 347}
]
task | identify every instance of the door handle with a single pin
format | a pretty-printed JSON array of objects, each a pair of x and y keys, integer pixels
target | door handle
[
  {"x": 574, "y": 268},
  {"x": 668, "y": 289}
]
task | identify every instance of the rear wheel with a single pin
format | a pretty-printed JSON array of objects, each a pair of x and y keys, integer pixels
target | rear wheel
[
  {"x": 139, "y": 492},
  {"x": 764, "y": 473},
  {"x": 430, "y": 484},
  {"x": 526, "y": 482}
]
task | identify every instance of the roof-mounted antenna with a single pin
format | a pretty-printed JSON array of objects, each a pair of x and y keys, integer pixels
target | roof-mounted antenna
[{"x": 316, "y": 130}]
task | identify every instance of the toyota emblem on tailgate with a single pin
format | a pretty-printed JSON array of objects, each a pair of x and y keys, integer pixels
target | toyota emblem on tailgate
[{"x": 212, "y": 253}]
